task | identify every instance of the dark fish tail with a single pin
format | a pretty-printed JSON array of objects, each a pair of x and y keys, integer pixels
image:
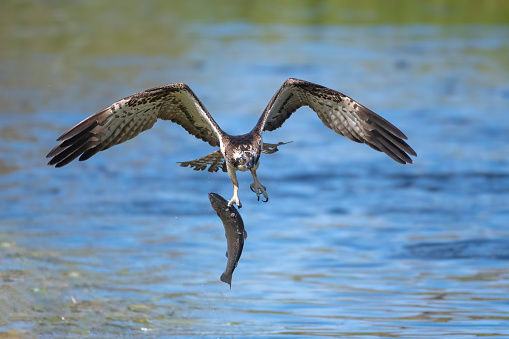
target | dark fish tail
[{"x": 227, "y": 278}]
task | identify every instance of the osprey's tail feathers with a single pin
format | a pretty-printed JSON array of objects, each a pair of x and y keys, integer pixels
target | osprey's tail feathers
[
  {"x": 272, "y": 148},
  {"x": 215, "y": 161}
]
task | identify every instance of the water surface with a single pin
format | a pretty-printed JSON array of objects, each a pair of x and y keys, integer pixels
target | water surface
[{"x": 350, "y": 244}]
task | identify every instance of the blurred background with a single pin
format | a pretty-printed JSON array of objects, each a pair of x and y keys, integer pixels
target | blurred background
[{"x": 350, "y": 244}]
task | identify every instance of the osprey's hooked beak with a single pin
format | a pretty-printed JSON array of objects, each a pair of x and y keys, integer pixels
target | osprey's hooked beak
[
  {"x": 247, "y": 161},
  {"x": 250, "y": 163}
]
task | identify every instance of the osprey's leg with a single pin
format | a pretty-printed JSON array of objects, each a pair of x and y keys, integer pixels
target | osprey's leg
[
  {"x": 233, "y": 177},
  {"x": 257, "y": 187}
]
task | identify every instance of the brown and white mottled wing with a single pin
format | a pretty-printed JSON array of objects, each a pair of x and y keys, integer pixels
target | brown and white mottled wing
[
  {"x": 132, "y": 115},
  {"x": 338, "y": 112},
  {"x": 215, "y": 160}
]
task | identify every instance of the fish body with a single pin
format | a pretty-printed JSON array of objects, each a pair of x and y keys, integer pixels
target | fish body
[{"x": 234, "y": 232}]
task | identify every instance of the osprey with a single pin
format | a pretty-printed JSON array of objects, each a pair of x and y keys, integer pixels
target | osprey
[{"x": 136, "y": 113}]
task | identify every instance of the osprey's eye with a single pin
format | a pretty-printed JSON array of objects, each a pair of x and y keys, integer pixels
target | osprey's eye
[{"x": 242, "y": 160}]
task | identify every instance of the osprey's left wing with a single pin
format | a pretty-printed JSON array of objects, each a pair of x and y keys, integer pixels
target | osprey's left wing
[
  {"x": 132, "y": 115},
  {"x": 338, "y": 112}
]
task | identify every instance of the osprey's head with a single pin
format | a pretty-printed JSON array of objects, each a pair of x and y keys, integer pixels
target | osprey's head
[{"x": 245, "y": 160}]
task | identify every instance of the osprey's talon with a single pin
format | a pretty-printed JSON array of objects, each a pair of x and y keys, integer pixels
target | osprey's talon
[
  {"x": 259, "y": 189},
  {"x": 252, "y": 190},
  {"x": 236, "y": 201}
]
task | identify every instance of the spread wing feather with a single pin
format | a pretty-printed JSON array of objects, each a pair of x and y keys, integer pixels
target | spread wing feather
[
  {"x": 215, "y": 160},
  {"x": 132, "y": 115},
  {"x": 338, "y": 112}
]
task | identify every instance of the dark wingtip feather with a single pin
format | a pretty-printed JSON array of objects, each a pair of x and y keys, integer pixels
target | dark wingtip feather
[
  {"x": 395, "y": 149},
  {"x": 85, "y": 126},
  {"x": 89, "y": 153},
  {"x": 390, "y": 154},
  {"x": 67, "y": 156},
  {"x": 410, "y": 150},
  {"x": 75, "y": 141},
  {"x": 54, "y": 151},
  {"x": 380, "y": 121},
  {"x": 406, "y": 147},
  {"x": 391, "y": 138}
]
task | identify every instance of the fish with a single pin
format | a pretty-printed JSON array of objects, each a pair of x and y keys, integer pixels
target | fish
[{"x": 234, "y": 232}]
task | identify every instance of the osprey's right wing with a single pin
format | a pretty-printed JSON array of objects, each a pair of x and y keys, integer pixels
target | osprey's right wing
[{"x": 338, "y": 112}]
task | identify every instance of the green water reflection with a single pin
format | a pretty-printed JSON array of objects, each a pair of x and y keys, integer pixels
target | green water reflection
[{"x": 159, "y": 27}]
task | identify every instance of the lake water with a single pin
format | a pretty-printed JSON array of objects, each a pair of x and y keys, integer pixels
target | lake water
[{"x": 351, "y": 244}]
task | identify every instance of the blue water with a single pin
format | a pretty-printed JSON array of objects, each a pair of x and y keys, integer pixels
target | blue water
[{"x": 126, "y": 243}]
